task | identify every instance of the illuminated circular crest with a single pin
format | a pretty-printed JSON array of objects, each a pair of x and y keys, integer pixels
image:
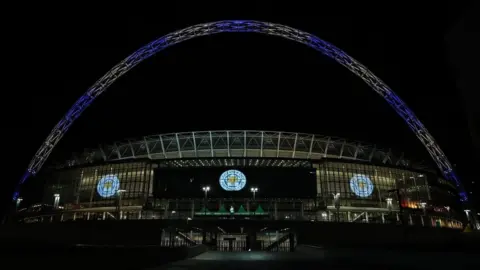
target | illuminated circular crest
[
  {"x": 233, "y": 180},
  {"x": 361, "y": 185},
  {"x": 108, "y": 186}
]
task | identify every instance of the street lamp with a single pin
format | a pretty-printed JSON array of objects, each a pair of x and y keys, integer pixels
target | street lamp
[
  {"x": 206, "y": 189},
  {"x": 56, "y": 200},
  {"x": 389, "y": 204},
  {"x": 424, "y": 205},
  {"x": 336, "y": 203},
  {"x": 119, "y": 202},
  {"x": 254, "y": 190}
]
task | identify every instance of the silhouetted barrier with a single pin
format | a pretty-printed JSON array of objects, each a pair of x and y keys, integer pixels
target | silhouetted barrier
[{"x": 149, "y": 232}]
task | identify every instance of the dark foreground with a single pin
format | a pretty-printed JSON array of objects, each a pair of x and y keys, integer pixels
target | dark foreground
[
  {"x": 327, "y": 259},
  {"x": 305, "y": 257}
]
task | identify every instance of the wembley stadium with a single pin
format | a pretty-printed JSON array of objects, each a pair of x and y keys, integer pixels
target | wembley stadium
[{"x": 243, "y": 174}]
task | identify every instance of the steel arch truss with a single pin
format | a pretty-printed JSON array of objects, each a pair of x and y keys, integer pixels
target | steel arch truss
[{"x": 244, "y": 26}]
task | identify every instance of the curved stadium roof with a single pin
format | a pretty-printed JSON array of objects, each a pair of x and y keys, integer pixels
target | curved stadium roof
[{"x": 238, "y": 143}]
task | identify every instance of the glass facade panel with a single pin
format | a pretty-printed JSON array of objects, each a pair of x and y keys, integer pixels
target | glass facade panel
[
  {"x": 100, "y": 186},
  {"x": 362, "y": 185},
  {"x": 346, "y": 192}
]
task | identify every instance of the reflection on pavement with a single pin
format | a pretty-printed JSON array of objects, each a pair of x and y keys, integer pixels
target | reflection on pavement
[{"x": 254, "y": 256}]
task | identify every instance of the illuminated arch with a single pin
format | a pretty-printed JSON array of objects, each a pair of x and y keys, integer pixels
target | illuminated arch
[{"x": 243, "y": 26}]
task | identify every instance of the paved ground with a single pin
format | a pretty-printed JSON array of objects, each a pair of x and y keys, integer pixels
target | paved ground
[
  {"x": 304, "y": 258},
  {"x": 331, "y": 259}
]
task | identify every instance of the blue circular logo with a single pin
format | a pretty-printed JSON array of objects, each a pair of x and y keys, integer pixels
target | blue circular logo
[
  {"x": 108, "y": 186},
  {"x": 361, "y": 185},
  {"x": 233, "y": 180}
]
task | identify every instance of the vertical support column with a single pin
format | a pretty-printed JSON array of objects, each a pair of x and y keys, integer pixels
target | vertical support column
[
  {"x": 383, "y": 218},
  {"x": 179, "y": 149},
  {"x": 93, "y": 188},
  {"x": 204, "y": 236},
  {"x": 211, "y": 144},
  {"x": 228, "y": 143},
  {"x": 77, "y": 189},
  {"x": 302, "y": 210},
  {"x": 425, "y": 182},
  {"x": 275, "y": 217},
  {"x": 278, "y": 144},
  {"x": 349, "y": 216},
  {"x": 261, "y": 146},
  {"x": 194, "y": 144},
  {"x": 291, "y": 239},
  {"x": 150, "y": 191},
  {"x": 167, "y": 208},
  {"x": 245, "y": 143},
  {"x": 366, "y": 217},
  {"x": 193, "y": 209},
  {"x": 295, "y": 145}
]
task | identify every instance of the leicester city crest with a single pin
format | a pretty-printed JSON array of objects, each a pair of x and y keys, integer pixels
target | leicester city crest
[
  {"x": 233, "y": 180},
  {"x": 361, "y": 185},
  {"x": 108, "y": 186}
]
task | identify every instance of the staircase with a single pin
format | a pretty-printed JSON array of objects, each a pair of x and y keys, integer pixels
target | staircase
[
  {"x": 187, "y": 239},
  {"x": 282, "y": 244}
]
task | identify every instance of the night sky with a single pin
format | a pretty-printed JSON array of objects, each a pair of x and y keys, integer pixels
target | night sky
[{"x": 236, "y": 80}]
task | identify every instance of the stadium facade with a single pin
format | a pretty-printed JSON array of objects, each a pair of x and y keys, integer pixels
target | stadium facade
[{"x": 246, "y": 175}]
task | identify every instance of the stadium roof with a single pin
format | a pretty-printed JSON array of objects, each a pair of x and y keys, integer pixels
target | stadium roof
[{"x": 238, "y": 144}]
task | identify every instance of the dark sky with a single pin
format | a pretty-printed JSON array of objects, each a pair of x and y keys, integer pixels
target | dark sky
[{"x": 237, "y": 81}]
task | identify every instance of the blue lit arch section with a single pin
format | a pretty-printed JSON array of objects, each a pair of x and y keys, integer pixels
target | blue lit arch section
[
  {"x": 233, "y": 180},
  {"x": 361, "y": 185},
  {"x": 108, "y": 186},
  {"x": 266, "y": 28}
]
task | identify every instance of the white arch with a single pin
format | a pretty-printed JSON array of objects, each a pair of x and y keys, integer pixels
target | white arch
[{"x": 243, "y": 26}]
